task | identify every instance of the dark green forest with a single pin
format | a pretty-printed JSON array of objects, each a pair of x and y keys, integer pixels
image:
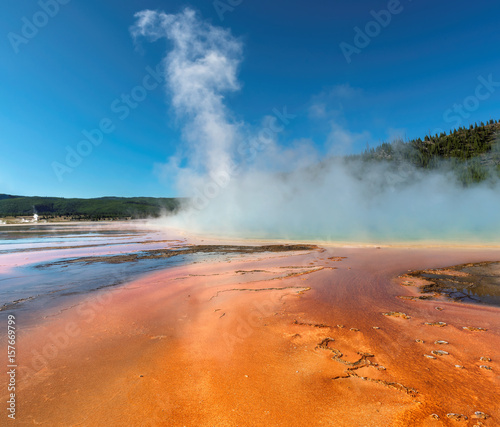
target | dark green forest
[
  {"x": 472, "y": 153},
  {"x": 87, "y": 209}
]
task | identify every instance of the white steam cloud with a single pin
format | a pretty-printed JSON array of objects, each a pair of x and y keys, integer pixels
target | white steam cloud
[
  {"x": 244, "y": 183},
  {"x": 201, "y": 66}
]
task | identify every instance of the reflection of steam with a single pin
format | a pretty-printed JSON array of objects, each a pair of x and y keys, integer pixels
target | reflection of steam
[{"x": 331, "y": 200}]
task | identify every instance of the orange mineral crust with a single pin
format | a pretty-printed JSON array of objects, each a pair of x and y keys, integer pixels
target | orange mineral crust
[{"x": 297, "y": 339}]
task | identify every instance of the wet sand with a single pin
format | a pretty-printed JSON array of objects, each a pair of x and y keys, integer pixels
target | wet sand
[{"x": 272, "y": 339}]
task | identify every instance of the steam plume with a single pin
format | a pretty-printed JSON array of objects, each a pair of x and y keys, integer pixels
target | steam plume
[{"x": 241, "y": 185}]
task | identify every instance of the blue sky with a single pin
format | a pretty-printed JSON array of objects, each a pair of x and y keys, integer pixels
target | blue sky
[{"x": 71, "y": 75}]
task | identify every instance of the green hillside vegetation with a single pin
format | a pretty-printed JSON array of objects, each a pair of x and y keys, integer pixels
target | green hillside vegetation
[
  {"x": 87, "y": 209},
  {"x": 6, "y": 196},
  {"x": 473, "y": 153}
]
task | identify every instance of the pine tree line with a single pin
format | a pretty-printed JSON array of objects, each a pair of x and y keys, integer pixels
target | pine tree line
[{"x": 473, "y": 152}]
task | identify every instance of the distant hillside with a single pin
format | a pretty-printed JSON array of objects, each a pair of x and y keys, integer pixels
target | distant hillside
[
  {"x": 100, "y": 208},
  {"x": 6, "y": 196},
  {"x": 473, "y": 153}
]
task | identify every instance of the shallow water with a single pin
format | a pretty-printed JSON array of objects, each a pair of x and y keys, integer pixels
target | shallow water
[
  {"x": 28, "y": 284},
  {"x": 42, "y": 267}
]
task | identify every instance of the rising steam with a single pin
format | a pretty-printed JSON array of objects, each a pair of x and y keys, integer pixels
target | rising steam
[{"x": 244, "y": 183}]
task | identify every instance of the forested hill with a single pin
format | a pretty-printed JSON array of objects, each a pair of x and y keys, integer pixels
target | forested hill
[
  {"x": 87, "y": 209},
  {"x": 473, "y": 152}
]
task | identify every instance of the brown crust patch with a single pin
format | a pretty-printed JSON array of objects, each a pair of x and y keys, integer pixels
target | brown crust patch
[{"x": 193, "y": 249}]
